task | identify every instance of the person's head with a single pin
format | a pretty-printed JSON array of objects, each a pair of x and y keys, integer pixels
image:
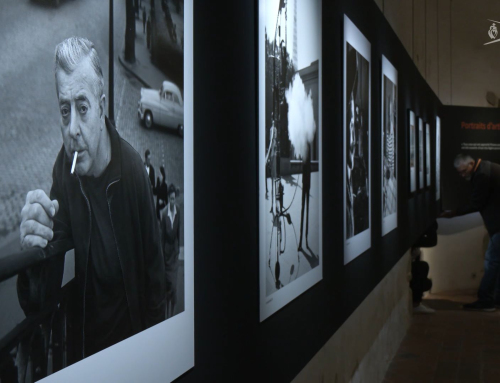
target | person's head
[
  {"x": 172, "y": 191},
  {"x": 464, "y": 164},
  {"x": 147, "y": 157},
  {"x": 80, "y": 92},
  {"x": 162, "y": 171}
]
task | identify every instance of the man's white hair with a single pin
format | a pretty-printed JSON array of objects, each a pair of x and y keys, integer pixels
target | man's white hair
[
  {"x": 70, "y": 53},
  {"x": 461, "y": 159}
]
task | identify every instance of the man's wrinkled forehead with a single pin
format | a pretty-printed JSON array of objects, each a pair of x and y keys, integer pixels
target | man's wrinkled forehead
[{"x": 77, "y": 85}]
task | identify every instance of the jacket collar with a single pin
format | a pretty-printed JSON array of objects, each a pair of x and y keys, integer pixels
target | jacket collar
[{"x": 116, "y": 151}]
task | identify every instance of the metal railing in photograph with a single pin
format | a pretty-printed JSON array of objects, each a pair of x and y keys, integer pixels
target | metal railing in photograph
[{"x": 40, "y": 344}]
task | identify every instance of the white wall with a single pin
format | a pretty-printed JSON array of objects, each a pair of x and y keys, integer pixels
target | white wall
[
  {"x": 445, "y": 39},
  {"x": 456, "y": 263}
]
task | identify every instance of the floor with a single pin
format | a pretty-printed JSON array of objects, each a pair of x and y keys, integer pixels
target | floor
[{"x": 450, "y": 345}]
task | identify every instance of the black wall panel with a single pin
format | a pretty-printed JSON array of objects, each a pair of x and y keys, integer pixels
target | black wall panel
[{"x": 230, "y": 342}]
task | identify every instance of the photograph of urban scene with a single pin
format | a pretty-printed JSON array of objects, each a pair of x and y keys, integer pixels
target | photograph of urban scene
[
  {"x": 92, "y": 163},
  {"x": 291, "y": 153}
]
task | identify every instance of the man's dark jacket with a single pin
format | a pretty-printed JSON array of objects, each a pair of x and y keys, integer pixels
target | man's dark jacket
[
  {"x": 152, "y": 177},
  {"x": 135, "y": 227},
  {"x": 485, "y": 196}
]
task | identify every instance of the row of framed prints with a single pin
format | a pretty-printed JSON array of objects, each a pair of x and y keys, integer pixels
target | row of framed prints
[
  {"x": 290, "y": 150},
  {"x": 424, "y": 152},
  {"x": 290, "y": 165}
]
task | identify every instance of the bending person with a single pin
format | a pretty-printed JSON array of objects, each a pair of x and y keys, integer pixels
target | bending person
[{"x": 485, "y": 198}]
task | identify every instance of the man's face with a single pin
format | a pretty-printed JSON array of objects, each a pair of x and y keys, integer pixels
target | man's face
[
  {"x": 171, "y": 200},
  {"x": 148, "y": 160},
  {"x": 82, "y": 117},
  {"x": 466, "y": 170}
]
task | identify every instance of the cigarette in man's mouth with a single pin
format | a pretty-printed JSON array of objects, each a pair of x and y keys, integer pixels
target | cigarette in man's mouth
[{"x": 74, "y": 163}]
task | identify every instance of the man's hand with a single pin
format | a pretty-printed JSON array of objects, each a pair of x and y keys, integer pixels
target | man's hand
[
  {"x": 448, "y": 214},
  {"x": 36, "y": 219}
]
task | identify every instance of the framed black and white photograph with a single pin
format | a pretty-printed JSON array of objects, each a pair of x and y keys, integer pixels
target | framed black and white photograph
[
  {"x": 413, "y": 151},
  {"x": 420, "y": 154},
  {"x": 428, "y": 155},
  {"x": 389, "y": 146},
  {"x": 290, "y": 170},
  {"x": 438, "y": 158},
  {"x": 357, "y": 122},
  {"x": 96, "y": 198}
]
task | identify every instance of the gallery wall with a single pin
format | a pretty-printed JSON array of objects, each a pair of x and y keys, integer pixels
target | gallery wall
[
  {"x": 230, "y": 341},
  {"x": 446, "y": 40},
  {"x": 424, "y": 28}
]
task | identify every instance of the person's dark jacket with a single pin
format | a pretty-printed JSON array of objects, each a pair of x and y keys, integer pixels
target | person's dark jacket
[
  {"x": 485, "y": 196},
  {"x": 161, "y": 196},
  {"x": 136, "y": 230},
  {"x": 152, "y": 177}
]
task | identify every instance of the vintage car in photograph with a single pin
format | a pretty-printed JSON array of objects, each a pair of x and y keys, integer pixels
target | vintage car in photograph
[{"x": 163, "y": 107}]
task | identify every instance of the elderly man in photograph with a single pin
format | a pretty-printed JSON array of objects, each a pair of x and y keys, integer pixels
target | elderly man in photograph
[
  {"x": 485, "y": 198},
  {"x": 105, "y": 206}
]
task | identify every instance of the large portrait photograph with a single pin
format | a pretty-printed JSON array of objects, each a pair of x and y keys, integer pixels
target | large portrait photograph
[
  {"x": 290, "y": 200},
  {"x": 357, "y": 122},
  {"x": 413, "y": 151},
  {"x": 389, "y": 147},
  {"x": 96, "y": 198}
]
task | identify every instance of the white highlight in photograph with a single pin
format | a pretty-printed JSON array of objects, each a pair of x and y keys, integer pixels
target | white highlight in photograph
[
  {"x": 74, "y": 163},
  {"x": 301, "y": 125}
]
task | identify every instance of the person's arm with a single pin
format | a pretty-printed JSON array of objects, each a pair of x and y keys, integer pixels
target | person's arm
[
  {"x": 154, "y": 266},
  {"x": 39, "y": 287}
]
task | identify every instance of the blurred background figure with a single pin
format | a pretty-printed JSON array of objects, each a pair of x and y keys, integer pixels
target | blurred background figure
[
  {"x": 170, "y": 224},
  {"x": 161, "y": 192},
  {"x": 150, "y": 169},
  {"x": 420, "y": 282}
]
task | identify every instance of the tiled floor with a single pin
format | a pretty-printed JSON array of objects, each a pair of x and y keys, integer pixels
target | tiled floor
[{"x": 451, "y": 345}]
